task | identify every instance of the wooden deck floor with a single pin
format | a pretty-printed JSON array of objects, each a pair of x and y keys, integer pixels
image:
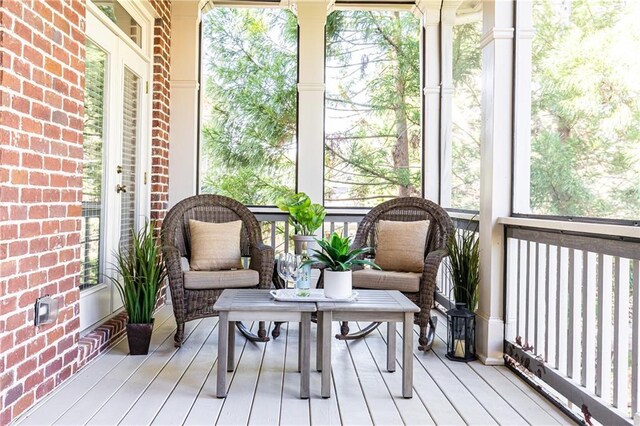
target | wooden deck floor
[{"x": 171, "y": 387}]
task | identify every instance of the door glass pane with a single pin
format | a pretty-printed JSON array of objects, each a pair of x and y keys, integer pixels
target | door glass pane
[
  {"x": 92, "y": 221},
  {"x": 121, "y": 18},
  {"x": 129, "y": 143}
]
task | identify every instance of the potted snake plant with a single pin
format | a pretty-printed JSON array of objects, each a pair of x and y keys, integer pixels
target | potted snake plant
[
  {"x": 338, "y": 258},
  {"x": 139, "y": 273}
]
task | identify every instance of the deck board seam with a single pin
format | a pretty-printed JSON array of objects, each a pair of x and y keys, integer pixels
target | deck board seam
[
  {"x": 129, "y": 377},
  {"x": 416, "y": 393},
  {"x": 195, "y": 355},
  {"x": 380, "y": 372}
]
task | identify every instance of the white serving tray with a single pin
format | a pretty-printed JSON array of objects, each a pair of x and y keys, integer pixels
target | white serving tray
[{"x": 315, "y": 295}]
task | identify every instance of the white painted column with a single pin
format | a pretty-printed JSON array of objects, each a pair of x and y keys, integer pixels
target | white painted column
[
  {"x": 522, "y": 120},
  {"x": 446, "y": 108},
  {"x": 431, "y": 113},
  {"x": 312, "y": 16},
  {"x": 495, "y": 179},
  {"x": 183, "y": 136}
]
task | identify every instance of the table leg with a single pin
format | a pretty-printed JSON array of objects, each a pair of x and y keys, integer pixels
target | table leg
[
  {"x": 223, "y": 336},
  {"x": 391, "y": 346},
  {"x": 300, "y": 346},
  {"x": 407, "y": 355},
  {"x": 231, "y": 346},
  {"x": 319, "y": 345},
  {"x": 305, "y": 351},
  {"x": 326, "y": 354}
]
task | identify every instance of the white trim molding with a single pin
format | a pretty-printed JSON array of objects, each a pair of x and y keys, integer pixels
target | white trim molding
[
  {"x": 311, "y": 87},
  {"x": 496, "y": 34}
]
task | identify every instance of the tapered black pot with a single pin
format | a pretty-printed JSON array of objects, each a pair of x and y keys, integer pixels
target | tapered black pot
[{"x": 139, "y": 336}]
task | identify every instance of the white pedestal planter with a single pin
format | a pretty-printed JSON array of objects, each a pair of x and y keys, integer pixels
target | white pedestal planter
[{"x": 337, "y": 285}]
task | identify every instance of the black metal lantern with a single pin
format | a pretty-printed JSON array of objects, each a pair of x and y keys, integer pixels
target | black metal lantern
[{"x": 461, "y": 334}]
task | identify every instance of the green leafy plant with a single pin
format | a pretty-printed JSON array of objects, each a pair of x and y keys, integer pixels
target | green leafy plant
[
  {"x": 140, "y": 272},
  {"x": 337, "y": 255},
  {"x": 304, "y": 216},
  {"x": 464, "y": 266}
]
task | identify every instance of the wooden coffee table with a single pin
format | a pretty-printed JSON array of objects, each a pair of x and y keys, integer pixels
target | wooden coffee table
[
  {"x": 389, "y": 306},
  {"x": 258, "y": 305}
]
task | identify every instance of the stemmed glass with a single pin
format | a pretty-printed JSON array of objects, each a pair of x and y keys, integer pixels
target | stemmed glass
[{"x": 289, "y": 267}]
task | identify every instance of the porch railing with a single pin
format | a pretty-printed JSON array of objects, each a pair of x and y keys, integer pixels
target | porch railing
[
  {"x": 277, "y": 233},
  {"x": 573, "y": 315}
]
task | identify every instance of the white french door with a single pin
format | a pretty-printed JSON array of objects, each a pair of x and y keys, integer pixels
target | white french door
[{"x": 116, "y": 159}]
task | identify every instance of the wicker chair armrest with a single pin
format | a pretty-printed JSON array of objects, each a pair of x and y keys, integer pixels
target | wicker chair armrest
[
  {"x": 434, "y": 258},
  {"x": 429, "y": 275},
  {"x": 262, "y": 258},
  {"x": 171, "y": 256}
]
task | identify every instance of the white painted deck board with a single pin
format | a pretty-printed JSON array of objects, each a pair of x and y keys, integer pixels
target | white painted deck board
[
  {"x": 267, "y": 400},
  {"x": 177, "y": 406},
  {"x": 381, "y": 398},
  {"x": 126, "y": 397},
  {"x": 293, "y": 410},
  {"x": 151, "y": 401},
  {"x": 94, "y": 374},
  {"x": 242, "y": 384},
  {"x": 324, "y": 411},
  {"x": 173, "y": 386}
]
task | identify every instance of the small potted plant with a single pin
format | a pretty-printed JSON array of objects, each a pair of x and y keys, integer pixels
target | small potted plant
[
  {"x": 464, "y": 269},
  {"x": 338, "y": 257},
  {"x": 140, "y": 272},
  {"x": 305, "y": 217}
]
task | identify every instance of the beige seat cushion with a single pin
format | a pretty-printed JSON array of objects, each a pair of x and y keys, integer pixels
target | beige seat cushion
[
  {"x": 214, "y": 246},
  {"x": 207, "y": 280},
  {"x": 400, "y": 245},
  {"x": 408, "y": 282}
]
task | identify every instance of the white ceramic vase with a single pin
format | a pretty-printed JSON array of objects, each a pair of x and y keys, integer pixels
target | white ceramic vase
[{"x": 337, "y": 285}]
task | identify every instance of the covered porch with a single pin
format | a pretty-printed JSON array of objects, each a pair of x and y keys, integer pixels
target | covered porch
[{"x": 544, "y": 166}]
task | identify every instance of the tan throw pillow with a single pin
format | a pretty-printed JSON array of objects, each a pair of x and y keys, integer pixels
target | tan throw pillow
[
  {"x": 214, "y": 246},
  {"x": 401, "y": 245}
]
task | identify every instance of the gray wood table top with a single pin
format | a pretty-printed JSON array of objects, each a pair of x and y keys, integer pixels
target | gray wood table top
[
  {"x": 257, "y": 300},
  {"x": 372, "y": 300}
]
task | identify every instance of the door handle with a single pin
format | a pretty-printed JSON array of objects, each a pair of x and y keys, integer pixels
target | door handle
[{"x": 121, "y": 188}]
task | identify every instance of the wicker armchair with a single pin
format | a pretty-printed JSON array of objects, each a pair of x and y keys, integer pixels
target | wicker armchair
[
  {"x": 409, "y": 209},
  {"x": 190, "y": 304}
]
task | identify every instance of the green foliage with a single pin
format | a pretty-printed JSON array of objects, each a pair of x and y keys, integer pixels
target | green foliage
[
  {"x": 249, "y": 124},
  {"x": 466, "y": 116},
  {"x": 304, "y": 216},
  {"x": 585, "y": 158},
  {"x": 372, "y": 146},
  {"x": 140, "y": 273},
  {"x": 337, "y": 255},
  {"x": 464, "y": 266}
]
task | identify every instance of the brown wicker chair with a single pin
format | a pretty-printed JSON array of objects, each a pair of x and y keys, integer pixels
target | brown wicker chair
[
  {"x": 192, "y": 304},
  {"x": 410, "y": 209}
]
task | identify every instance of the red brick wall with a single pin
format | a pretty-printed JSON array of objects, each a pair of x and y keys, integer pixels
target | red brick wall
[
  {"x": 42, "y": 80},
  {"x": 160, "y": 125},
  {"x": 160, "y": 117},
  {"x": 41, "y": 122}
]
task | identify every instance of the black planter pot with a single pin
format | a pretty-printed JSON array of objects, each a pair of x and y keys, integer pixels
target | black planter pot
[{"x": 139, "y": 336}]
